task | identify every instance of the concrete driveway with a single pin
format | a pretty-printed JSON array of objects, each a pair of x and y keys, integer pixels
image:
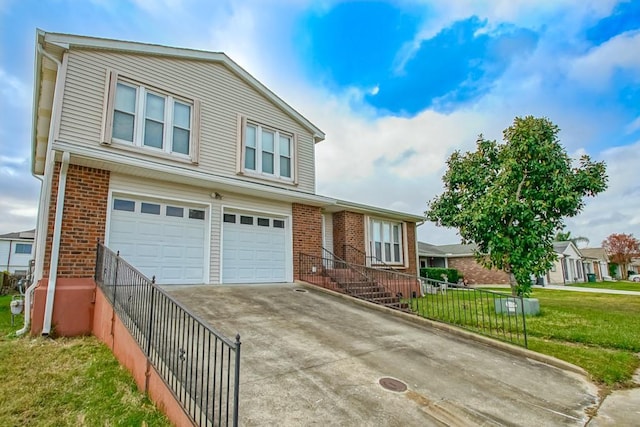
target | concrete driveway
[{"x": 311, "y": 358}]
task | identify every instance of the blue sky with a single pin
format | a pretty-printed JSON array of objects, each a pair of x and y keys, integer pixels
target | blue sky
[{"x": 397, "y": 86}]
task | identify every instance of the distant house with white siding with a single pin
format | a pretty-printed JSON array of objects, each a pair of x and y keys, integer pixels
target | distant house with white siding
[{"x": 16, "y": 251}]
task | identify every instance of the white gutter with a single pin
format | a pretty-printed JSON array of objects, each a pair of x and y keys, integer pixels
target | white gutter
[
  {"x": 40, "y": 236},
  {"x": 55, "y": 246}
]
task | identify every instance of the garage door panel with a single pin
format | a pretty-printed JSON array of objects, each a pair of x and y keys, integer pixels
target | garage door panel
[
  {"x": 171, "y": 248},
  {"x": 253, "y": 253}
]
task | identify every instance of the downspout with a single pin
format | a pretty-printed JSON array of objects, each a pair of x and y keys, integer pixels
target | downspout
[
  {"x": 55, "y": 246},
  {"x": 9, "y": 257},
  {"x": 39, "y": 242}
]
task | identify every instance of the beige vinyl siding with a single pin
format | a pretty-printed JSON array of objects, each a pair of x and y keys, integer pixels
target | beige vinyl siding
[
  {"x": 222, "y": 94},
  {"x": 136, "y": 186}
]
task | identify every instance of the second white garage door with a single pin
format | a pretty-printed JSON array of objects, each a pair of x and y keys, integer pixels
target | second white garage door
[{"x": 253, "y": 248}]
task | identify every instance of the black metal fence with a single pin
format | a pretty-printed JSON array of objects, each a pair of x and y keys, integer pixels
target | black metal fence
[
  {"x": 486, "y": 312},
  {"x": 198, "y": 364}
]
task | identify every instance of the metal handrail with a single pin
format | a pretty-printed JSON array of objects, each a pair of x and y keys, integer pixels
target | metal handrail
[
  {"x": 368, "y": 259},
  {"x": 193, "y": 359},
  {"x": 482, "y": 311}
]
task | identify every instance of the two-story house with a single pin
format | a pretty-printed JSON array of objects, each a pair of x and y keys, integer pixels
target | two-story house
[{"x": 188, "y": 166}]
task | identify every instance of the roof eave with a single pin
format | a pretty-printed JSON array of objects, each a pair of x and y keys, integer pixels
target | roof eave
[{"x": 69, "y": 40}]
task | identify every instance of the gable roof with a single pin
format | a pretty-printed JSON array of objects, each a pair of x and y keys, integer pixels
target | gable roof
[
  {"x": 460, "y": 250},
  {"x": 27, "y": 235},
  {"x": 52, "y": 45},
  {"x": 594, "y": 253},
  {"x": 449, "y": 251}
]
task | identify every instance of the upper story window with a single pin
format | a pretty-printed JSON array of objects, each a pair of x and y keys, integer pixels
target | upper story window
[
  {"x": 23, "y": 248},
  {"x": 267, "y": 151},
  {"x": 386, "y": 241},
  {"x": 151, "y": 119}
]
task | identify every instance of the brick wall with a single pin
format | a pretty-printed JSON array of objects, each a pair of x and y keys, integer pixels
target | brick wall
[
  {"x": 83, "y": 221},
  {"x": 307, "y": 233},
  {"x": 412, "y": 267},
  {"x": 474, "y": 273},
  {"x": 348, "y": 228}
]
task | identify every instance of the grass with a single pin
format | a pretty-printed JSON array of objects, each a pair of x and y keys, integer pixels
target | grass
[
  {"x": 66, "y": 382},
  {"x": 598, "y": 332},
  {"x": 622, "y": 285}
]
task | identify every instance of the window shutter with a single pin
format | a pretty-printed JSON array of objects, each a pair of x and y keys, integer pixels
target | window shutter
[
  {"x": 195, "y": 133},
  {"x": 242, "y": 122},
  {"x": 110, "y": 95},
  {"x": 294, "y": 158}
]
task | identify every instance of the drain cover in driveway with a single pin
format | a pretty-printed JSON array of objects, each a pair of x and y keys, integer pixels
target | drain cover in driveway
[{"x": 392, "y": 384}]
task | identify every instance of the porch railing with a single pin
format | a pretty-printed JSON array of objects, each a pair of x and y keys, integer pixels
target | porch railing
[
  {"x": 486, "y": 312},
  {"x": 198, "y": 364},
  {"x": 356, "y": 256}
]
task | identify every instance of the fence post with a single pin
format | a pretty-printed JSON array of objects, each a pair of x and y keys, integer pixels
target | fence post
[
  {"x": 236, "y": 387},
  {"x": 524, "y": 322},
  {"x": 153, "y": 293},
  {"x": 115, "y": 279},
  {"x": 95, "y": 273}
]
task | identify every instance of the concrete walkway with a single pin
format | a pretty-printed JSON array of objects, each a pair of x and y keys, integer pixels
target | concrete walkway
[
  {"x": 313, "y": 358},
  {"x": 593, "y": 290},
  {"x": 569, "y": 288}
]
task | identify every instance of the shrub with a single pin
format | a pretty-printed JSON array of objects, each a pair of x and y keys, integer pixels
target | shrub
[{"x": 436, "y": 273}]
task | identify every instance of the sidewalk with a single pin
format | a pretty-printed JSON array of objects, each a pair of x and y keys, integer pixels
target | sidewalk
[
  {"x": 568, "y": 288},
  {"x": 593, "y": 290}
]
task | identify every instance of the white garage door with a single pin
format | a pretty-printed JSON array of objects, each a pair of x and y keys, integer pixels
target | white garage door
[
  {"x": 253, "y": 249},
  {"x": 165, "y": 240}
]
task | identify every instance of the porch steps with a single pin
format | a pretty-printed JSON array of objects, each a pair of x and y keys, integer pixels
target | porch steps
[{"x": 358, "y": 286}]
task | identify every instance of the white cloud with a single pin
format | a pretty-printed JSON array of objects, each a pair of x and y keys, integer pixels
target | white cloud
[
  {"x": 14, "y": 91},
  {"x": 633, "y": 126},
  {"x": 617, "y": 210},
  {"x": 597, "y": 67}
]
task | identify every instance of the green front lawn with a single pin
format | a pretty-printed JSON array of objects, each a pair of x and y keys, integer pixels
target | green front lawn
[
  {"x": 598, "y": 332},
  {"x": 66, "y": 382}
]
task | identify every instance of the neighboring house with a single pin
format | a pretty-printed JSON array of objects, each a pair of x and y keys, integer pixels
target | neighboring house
[
  {"x": 188, "y": 166},
  {"x": 461, "y": 257},
  {"x": 567, "y": 269},
  {"x": 16, "y": 251},
  {"x": 595, "y": 261}
]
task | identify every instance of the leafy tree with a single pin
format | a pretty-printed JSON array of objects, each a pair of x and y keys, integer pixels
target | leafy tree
[
  {"x": 621, "y": 248},
  {"x": 562, "y": 236},
  {"x": 511, "y": 198}
]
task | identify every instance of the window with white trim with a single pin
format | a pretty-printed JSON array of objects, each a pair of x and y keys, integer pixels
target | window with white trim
[
  {"x": 386, "y": 241},
  {"x": 267, "y": 151},
  {"x": 152, "y": 119},
  {"x": 23, "y": 248}
]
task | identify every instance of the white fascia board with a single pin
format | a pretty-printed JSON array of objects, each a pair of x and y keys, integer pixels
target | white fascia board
[
  {"x": 191, "y": 177},
  {"x": 69, "y": 40},
  {"x": 36, "y": 97},
  {"x": 375, "y": 211}
]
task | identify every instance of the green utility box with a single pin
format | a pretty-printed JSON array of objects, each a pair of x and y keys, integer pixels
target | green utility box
[{"x": 591, "y": 277}]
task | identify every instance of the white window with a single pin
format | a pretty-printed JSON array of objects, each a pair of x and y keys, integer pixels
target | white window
[
  {"x": 386, "y": 241},
  {"x": 267, "y": 151},
  {"x": 23, "y": 248},
  {"x": 151, "y": 119}
]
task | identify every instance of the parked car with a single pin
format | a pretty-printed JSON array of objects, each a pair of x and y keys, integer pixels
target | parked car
[{"x": 634, "y": 277}]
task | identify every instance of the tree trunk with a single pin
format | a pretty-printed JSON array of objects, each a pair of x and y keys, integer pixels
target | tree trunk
[{"x": 512, "y": 281}]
